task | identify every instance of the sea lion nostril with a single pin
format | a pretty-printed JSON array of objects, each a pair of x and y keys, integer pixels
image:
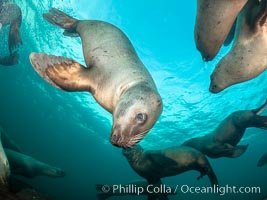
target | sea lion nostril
[{"x": 114, "y": 138}]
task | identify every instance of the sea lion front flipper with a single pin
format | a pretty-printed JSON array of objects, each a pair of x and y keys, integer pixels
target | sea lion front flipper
[
  {"x": 61, "y": 72},
  {"x": 62, "y": 20}
]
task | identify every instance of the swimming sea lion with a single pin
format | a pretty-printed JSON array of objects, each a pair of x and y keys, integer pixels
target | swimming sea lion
[
  {"x": 4, "y": 165},
  {"x": 263, "y": 160},
  {"x": 10, "y": 14},
  {"x": 114, "y": 75},
  {"x": 156, "y": 164},
  {"x": 247, "y": 58},
  {"x": 21, "y": 164},
  {"x": 222, "y": 142},
  {"x": 214, "y": 20}
]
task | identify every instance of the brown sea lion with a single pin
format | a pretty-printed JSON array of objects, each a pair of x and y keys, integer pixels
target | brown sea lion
[
  {"x": 263, "y": 160},
  {"x": 157, "y": 164},
  {"x": 222, "y": 142},
  {"x": 10, "y": 14},
  {"x": 114, "y": 75},
  {"x": 247, "y": 58},
  {"x": 214, "y": 20}
]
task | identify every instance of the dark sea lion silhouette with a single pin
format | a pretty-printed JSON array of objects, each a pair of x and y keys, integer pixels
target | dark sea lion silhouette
[
  {"x": 156, "y": 164},
  {"x": 222, "y": 142},
  {"x": 114, "y": 75},
  {"x": 10, "y": 14}
]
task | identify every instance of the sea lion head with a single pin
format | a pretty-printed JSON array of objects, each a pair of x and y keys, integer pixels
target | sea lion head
[
  {"x": 135, "y": 114},
  {"x": 222, "y": 77}
]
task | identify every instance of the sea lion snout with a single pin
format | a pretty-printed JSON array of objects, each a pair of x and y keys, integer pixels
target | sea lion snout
[{"x": 114, "y": 138}]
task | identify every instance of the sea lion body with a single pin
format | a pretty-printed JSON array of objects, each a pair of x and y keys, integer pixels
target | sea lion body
[
  {"x": 247, "y": 58},
  {"x": 263, "y": 160},
  {"x": 213, "y": 24},
  {"x": 10, "y": 14},
  {"x": 114, "y": 75},
  {"x": 157, "y": 164},
  {"x": 21, "y": 164},
  {"x": 222, "y": 142}
]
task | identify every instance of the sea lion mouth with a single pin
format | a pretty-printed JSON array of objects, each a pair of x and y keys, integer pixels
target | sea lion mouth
[
  {"x": 136, "y": 139},
  {"x": 214, "y": 88},
  {"x": 125, "y": 142}
]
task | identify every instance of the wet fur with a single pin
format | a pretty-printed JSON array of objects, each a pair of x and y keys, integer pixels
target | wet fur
[{"x": 157, "y": 164}]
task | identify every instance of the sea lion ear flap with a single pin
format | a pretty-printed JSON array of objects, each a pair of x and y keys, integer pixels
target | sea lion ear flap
[
  {"x": 160, "y": 159},
  {"x": 238, "y": 151}
]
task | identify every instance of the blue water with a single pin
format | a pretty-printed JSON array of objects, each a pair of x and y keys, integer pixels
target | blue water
[{"x": 71, "y": 131}]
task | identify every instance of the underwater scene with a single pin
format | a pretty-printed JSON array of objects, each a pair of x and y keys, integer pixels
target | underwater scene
[{"x": 109, "y": 99}]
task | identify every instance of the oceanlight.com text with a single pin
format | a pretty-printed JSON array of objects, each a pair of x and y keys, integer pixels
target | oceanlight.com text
[{"x": 184, "y": 189}]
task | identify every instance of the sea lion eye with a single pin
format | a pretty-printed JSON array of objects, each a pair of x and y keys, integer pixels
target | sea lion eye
[{"x": 140, "y": 117}]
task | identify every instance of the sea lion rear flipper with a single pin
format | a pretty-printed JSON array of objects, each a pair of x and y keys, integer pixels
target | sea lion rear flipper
[
  {"x": 62, "y": 20},
  {"x": 10, "y": 60},
  {"x": 14, "y": 38},
  {"x": 61, "y": 72},
  {"x": 237, "y": 150},
  {"x": 227, "y": 150}
]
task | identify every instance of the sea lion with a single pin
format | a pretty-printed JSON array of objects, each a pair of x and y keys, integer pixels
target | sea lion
[
  {"x": 140, "y": 184},
  {"x": 157, "y": 164},
  {"x": 10, "y": 14},
  {"x": 247, "y": 58},
  {"x": 263, "y": 160},
  {"x": 114, "y": 75},
  {"x": 214, "y": 20},
  {"x": 21, "y": 164},
  {"x": 222, "y": 142}
]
